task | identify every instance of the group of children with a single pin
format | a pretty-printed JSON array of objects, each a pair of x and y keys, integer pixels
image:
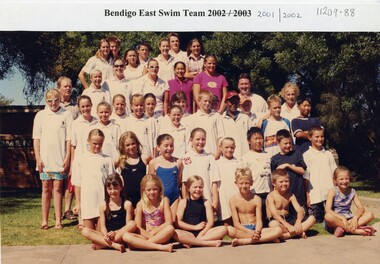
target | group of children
[{"x": 160, "y": 177}]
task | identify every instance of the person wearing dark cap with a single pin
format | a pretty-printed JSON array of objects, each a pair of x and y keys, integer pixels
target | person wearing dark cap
[{"x": 236, "y": 124}]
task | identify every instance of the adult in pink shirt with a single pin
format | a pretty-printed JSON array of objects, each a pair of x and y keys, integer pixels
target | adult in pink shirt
[
  {"x": 212, "y": 81},
  {"x": 180, "y": 83}
]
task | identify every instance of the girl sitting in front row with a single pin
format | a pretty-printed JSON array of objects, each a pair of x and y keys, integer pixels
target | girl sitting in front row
[
  {"x": 196, "y": 219},
  {"x": 338, "y": 214},
  {"x": 153, "y": 218},
  {"x": 116, "y": 215}
]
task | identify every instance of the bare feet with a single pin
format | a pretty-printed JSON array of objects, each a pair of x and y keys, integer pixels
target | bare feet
[
  {"x": 303, "y": 235},
  {"x": 186, "y": 246},
  {"x": 168, "y": 247},
  {"x": 214, "y": 243},
  {"x": 235, "y": 242}
]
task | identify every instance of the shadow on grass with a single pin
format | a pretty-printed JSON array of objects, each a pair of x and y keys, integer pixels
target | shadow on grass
[
  {"x": 372, "y": 185},
  {"x": 13, "y": 200}
]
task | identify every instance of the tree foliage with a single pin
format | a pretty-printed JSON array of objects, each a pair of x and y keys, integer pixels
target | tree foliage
[{"x": 340, "y": 71}]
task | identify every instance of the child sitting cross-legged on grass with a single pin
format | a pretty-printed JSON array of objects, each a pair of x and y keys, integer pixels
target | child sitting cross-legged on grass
[
  {"x": 116, "y": 214},
  {"x": 339, "y": 218},
  {"x": 247, "y": 216},
  {"x": 278, "y": 205}
]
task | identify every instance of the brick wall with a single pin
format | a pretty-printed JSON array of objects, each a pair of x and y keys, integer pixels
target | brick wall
[{"x": 17, "y": 162}]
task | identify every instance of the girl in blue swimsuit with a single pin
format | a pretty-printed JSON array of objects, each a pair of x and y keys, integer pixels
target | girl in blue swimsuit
[{"x": 169, "y": 169}]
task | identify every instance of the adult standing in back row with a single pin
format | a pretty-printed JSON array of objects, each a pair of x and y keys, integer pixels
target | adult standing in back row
[
  {"x": 211, "y": 80},
  {"x": 101, "y": 61}
]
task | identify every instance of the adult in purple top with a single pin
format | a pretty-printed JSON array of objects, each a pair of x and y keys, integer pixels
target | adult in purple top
[
  {"x": 180, "y": 83},
  {"x": 212, "y": 81}
]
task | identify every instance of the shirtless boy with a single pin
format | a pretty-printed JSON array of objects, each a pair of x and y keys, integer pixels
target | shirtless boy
[
  {"x": 278, "y": 202},
  {"x": 247, "y": 216}
]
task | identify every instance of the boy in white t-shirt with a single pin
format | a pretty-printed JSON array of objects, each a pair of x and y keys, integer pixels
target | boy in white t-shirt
[
  {"x": 210, "y": 121},
  {"x": 274, "y": 123},
  {"x": 319, "y": 173}
]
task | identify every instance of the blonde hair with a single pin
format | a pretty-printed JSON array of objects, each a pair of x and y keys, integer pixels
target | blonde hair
[
  {"x": 273, "y": 99},
  {"x": 278, "y": 173},
  {"x": 52, "y": 93},
  {"x": 243, "y": 173},
  {"x": 191, "y": 180},
  {"x": 136, "y": 98},
  {"x": 95, "y": 132},
  {"x": 205, "y": 93},
  {"x": 290, "y": 85},
  {"x": 118, "y": 96},
  {"x": 123, "y": 155},
  {"x": 104, "y": 104},
  {"x": 339, "y": 170},
  {"x": 156, "y": 180}
]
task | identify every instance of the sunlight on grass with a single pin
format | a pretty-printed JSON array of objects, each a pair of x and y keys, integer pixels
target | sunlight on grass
[{"x": 20, "y": 217}]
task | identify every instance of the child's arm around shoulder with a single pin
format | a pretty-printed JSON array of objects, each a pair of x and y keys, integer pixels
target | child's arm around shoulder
[
  {"x": 146, "y": 158},
  {"x": 102, "y": 218},
  {"x": 129, "y": 211},
  {"x": 152, "y": 167}
]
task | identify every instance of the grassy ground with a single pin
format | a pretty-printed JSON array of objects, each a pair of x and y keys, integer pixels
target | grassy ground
[
  {"x": 367, "y": 188},
  {"x": 20, "y": 219}
]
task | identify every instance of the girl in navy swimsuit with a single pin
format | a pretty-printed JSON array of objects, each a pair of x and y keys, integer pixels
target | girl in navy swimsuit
[
  {"x": 116, "y": 215},
  {"x": 196, "y": 219}
]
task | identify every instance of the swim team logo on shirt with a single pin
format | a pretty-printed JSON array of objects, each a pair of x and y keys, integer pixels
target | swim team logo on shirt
[
  {"x": 187, "y": 160},
  {"x": 211, "y": 84}
]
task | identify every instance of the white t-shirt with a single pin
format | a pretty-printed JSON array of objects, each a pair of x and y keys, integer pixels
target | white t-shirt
[
  {"x": 145, "y": 130},
  {"x": 237, "y": 129},
  {"x": 93, "y": 169},
  {"x": 117, "y": 86},
  {"x": 95, "y": 63},
  {"x": 112, "y": 135},
  {"x": 134, "y": 73},
  {"x": 120, "y": 121},
  {"x": 291, "y": 113},
  {"x": 53, "y": 131},
  {"x": 212, "y": 124},
  {"x": 259, "y": 105},
  {"x": 259, "y": 163},
  {"x": 319, "y": 171},
  {"x": 79, "y": 134},
  {"x": 181, "y": 137},
  {"x": 144, "y": 85},
  {"x": 166, "y": 70},
  {"x": 202, "y": 165},
  {"x": 180, "y": 56},
  {"x": 226, "y": 169},
  {"x": 97, "y": 96}
]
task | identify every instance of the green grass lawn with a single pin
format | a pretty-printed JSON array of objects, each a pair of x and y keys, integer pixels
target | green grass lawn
[
  {"x": 20, "y": 219},
  {"x": 367, "y": 188}
]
